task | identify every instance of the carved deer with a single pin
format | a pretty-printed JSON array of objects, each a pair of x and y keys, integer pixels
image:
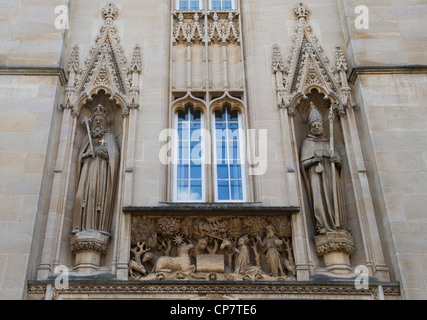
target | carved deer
[{"x": 135, "y": 263}]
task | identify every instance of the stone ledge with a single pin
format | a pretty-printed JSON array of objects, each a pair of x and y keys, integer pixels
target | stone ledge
[
  {"x": 219, "y": 209},
  {"x": 35, "y": 71},
  {"x": 405, "y": 69}
]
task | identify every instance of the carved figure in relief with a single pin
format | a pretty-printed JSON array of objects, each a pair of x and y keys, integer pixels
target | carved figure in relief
[
  {"x": 228, "y": 246},
  {"x": 97, "y": 170},
  {"x": 272, "y": 246},
  {"x": 318, "y": 176},
  {"x": 242, "y": 259}
]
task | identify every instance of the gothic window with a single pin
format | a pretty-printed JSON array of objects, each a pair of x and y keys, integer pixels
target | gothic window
[
  {"x": 222, "y": 4},
  {"x": 229, "y": 166},
  {"x": 189, "y": 170},
  {"x": 188, "y": 5}
]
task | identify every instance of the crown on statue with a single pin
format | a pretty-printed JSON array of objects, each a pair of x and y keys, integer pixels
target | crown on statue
[{"x": 100, "y": 110}]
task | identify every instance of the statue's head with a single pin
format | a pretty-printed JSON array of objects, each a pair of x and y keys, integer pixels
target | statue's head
[
  {"x": 269, "y": 230},
  {"x": 100, "y": 121},
  {"x": 315, "y": 121}
]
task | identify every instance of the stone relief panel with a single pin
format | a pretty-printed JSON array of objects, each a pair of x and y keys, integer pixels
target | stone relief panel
[{"x": 232, "y": 248}]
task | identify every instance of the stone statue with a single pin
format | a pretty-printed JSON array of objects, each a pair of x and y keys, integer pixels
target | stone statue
[
  {"x": 272, "y": 245},
  {"x": 317, "y": 167},
  {"x": 97, "y": 172}
]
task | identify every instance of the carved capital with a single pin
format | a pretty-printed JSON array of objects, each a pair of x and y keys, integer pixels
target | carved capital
[
  {"x": 334, "y": 242},
  {"x": 92, "y": 241}
]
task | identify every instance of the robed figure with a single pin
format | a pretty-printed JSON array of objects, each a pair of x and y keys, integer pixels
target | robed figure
[
  {"x": 317, "y": 164},
  {"x": 97, "y": 171}
]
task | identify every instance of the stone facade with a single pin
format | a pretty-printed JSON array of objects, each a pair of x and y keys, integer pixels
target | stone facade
[{"x": 266, "y": 62}]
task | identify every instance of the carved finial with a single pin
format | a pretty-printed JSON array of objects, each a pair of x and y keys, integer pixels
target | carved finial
[
  {"x": 301, "y": 12},
  {"x": 74, "y": 63},
  {"x": 341, "y": 62},
  {"x": 136, "y": 63},
  {"x": 277, "y": 59},
  {"x": 110, "y": 11}
]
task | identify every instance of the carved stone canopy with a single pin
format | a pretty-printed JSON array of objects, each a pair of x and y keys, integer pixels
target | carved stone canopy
[
  {"x": 308, "y": 68},
  {"x": 105, "y": 68}
]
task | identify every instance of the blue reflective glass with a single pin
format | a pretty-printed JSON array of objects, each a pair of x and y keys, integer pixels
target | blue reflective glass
[
  {"x": 234, "y": 151},
  {"x": 196, "y": 171},
  {"x": 222, "y": 171},
  {"x": 223, "y": 190},
  {"x": 221, "y": 152},
  {"x": 196, "y": 150},
  {"x": 235, "y": 171},
  {"x": 183, "y": 132},
  {"x": 184, "y": 152},
  {"x": 182, "y": 171},
  {"x": 183, "y": 186},
  {"x": 194, "y": 5},
  {"x": 183, "y": 5},
  {"x": 226, "y": 5},
  {"x": 236, "y": 190},
  {"x": 216, "y": 5},
  {"x": 195, "y": 126},
  {"x": 196, "y": 189}
]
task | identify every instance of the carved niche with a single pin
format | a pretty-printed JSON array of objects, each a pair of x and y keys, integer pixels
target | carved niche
[{"x": 203, "y": 247}]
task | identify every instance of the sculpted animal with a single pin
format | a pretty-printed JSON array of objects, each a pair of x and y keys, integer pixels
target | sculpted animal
[
  {"x": 135, "y": 264},
  {"x": 180, "y": 263}
]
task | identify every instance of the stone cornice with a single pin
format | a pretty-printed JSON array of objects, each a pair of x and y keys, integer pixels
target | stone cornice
[
  {"x": 303, "y": 289},
  {"x": 35, "y": 71},
  {"x": 214, "y": 208},
  {"x": 404, "y": 69}
]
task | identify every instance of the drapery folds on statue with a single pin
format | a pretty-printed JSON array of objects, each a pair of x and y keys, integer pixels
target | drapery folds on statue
[
  {"x": 316, "y": 158},
  {"x": 98, "y": 165}
]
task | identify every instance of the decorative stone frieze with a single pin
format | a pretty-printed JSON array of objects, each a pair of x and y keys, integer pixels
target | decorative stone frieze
[{"x": 203, "y": 247}]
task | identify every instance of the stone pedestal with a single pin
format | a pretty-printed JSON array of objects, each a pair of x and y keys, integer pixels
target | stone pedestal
[
  {"x": 88, "y": 247},
  {"x": 336, "y": 249}
]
